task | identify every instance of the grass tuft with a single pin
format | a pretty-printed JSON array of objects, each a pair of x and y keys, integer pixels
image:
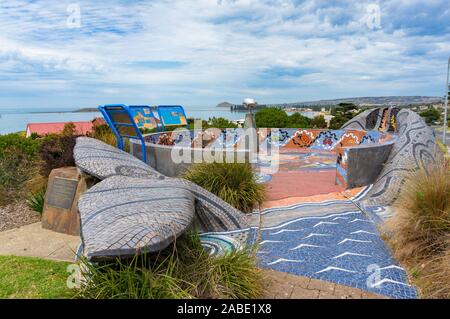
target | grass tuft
[
  {"x": 36, "y": 201},
  {"x": 235, "y": 183},
  {"x": 185, "y": 270}
]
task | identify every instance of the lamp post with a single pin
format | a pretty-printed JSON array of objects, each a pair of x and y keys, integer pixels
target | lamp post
[
  {"x": 249, "y": 104},
  {"x": 250, "y": 127},
  {"x": 447, "y": 89}
]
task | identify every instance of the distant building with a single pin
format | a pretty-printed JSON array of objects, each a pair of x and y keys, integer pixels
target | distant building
[{"x": 81, "y": 128}]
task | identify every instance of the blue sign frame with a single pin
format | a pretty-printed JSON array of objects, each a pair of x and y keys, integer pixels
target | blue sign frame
[
  {"x": 170, "y": 108},
  {"x": 108, "y": 109}
]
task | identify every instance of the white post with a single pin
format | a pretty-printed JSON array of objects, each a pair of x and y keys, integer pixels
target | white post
[{"x": 447, "y": 89}]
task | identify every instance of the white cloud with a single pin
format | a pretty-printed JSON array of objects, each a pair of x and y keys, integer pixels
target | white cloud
[{"x": 225, "y": 50}]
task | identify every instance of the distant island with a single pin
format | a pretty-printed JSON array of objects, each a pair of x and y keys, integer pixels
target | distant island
[
  {"x": 225, "y": 104},
  {"x": 86, "y": 110}
]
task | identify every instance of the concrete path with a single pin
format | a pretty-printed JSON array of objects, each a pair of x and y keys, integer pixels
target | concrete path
[
  {"x": 281, "y": 285},
  {"x": 34, "y": 241}
]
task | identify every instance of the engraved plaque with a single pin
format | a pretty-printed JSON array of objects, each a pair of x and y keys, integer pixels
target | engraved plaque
[{"x": 62, "y": 192}]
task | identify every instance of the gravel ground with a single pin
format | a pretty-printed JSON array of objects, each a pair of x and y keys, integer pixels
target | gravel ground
[{"x": 17, "y": 215}]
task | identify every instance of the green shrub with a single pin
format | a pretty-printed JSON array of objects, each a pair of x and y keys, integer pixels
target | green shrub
[
  {"x": 18, "y": 163},
  {"x": 183, "y": 270},
  {"x": 235, "y": 183},
  {"x": 56, "y": 151},
  {"x": 220, "y": 122},
  {"x": 36, "y": 201},
  {"x": 103, "y": 133},
  {"x": 271, "y": 117}
]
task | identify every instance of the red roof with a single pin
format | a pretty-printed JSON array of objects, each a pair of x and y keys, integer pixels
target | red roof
[{"x": 47, "y": 128}]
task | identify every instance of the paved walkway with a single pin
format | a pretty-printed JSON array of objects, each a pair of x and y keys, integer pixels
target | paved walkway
[
  {"x": 34, "y": 241},
  {"x": 281, "y": 285}
]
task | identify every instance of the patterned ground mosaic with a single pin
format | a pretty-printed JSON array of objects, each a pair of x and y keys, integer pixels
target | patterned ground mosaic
[{"x": 312, "y": 224}]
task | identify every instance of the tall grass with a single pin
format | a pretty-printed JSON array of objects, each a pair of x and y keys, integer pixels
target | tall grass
[
  {"x": 420, "y": 230},
  {"x": 235, "y": 183},
  {"x": 185, "y": 270}
]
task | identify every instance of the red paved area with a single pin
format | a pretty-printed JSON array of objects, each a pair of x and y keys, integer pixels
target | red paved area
[{"x": 303, "y": 183}]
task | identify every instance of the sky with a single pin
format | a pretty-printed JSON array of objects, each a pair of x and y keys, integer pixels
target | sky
[{"x": 203, "y": 52}]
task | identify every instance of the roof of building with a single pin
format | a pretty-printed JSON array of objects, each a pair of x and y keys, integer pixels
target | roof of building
[{"x": 57, "y": 127}]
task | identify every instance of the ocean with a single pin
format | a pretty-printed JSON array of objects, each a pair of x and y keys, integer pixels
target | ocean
[{"x": 15, "y": 120}]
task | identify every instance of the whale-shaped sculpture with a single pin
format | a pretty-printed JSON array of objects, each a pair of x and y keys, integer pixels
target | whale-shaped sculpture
[{"x": 135, "y": 208}]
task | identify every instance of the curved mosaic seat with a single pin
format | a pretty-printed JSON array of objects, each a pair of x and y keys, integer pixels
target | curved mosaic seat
[
  {"x": 414, "y": 148},
  {"x": 102, "y": 160},
  {"x": 122, "y": 216}
]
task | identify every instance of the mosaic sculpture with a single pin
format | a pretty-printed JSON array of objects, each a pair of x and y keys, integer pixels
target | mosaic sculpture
[
  {"x": 102, "y": 160},
  {"x": 121, "y": 216},
  {"x": 133, "y": 198},
  {"x": 414, "y": 148}
]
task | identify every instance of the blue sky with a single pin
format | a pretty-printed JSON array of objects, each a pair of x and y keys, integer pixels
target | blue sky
[{"x": 202, "y": 52}]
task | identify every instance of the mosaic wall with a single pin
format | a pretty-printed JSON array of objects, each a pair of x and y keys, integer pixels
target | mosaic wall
[
  {"x": 414, "y": 148},
  {"x": 328, "y": 140}
]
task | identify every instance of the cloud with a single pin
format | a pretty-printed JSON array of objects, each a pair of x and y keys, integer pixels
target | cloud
[{"x": 201, "y": 52}]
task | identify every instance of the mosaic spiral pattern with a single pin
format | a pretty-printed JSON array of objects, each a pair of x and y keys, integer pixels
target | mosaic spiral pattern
[
  {"x": 122, "y": 216},
  {"x": 414, "y": 148},
  {"x": 125, "y": 179},
  {"x": 102, "y": 160}
]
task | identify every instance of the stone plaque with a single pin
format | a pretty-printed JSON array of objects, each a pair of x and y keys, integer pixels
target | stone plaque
[
  {"x": 62, "y": 192},
  {"x": 65, "y": 185}
]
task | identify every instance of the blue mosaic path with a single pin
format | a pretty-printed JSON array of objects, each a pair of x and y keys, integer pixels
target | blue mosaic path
[{"x": 342, "y": 247}]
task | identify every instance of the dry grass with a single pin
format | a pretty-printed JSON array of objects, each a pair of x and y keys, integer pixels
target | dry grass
[{"x": 420, "y": 231}]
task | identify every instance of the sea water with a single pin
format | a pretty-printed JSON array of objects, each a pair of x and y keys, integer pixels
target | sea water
[{"x": 15, "y": 120}]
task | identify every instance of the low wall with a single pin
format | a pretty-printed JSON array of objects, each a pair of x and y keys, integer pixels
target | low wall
[{"x": 360, "y": 153}]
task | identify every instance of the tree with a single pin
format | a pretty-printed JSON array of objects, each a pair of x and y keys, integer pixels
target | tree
[
  {"x": 342, "y": 114},
  {"x": 297, "y": 120},
  {"x": 431, "y": 115},
  {"x": 319, "y": 122},
  {"x": 271, "y": 117},
  {"x": 337, "y": 122}
]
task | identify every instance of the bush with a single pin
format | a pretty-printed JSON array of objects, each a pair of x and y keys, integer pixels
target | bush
[
  {"x": 103, "y": 133},
  {"x": 220, "y": 122},
  {"x": 56, "y": 151},
  {"x": 235, "y": 183},
  {"x": 184, "y": 270},
  {"x": 18, "y": 163},
  {"x": 421, "y": 229},
  {"x": 271, "y": 117}
]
